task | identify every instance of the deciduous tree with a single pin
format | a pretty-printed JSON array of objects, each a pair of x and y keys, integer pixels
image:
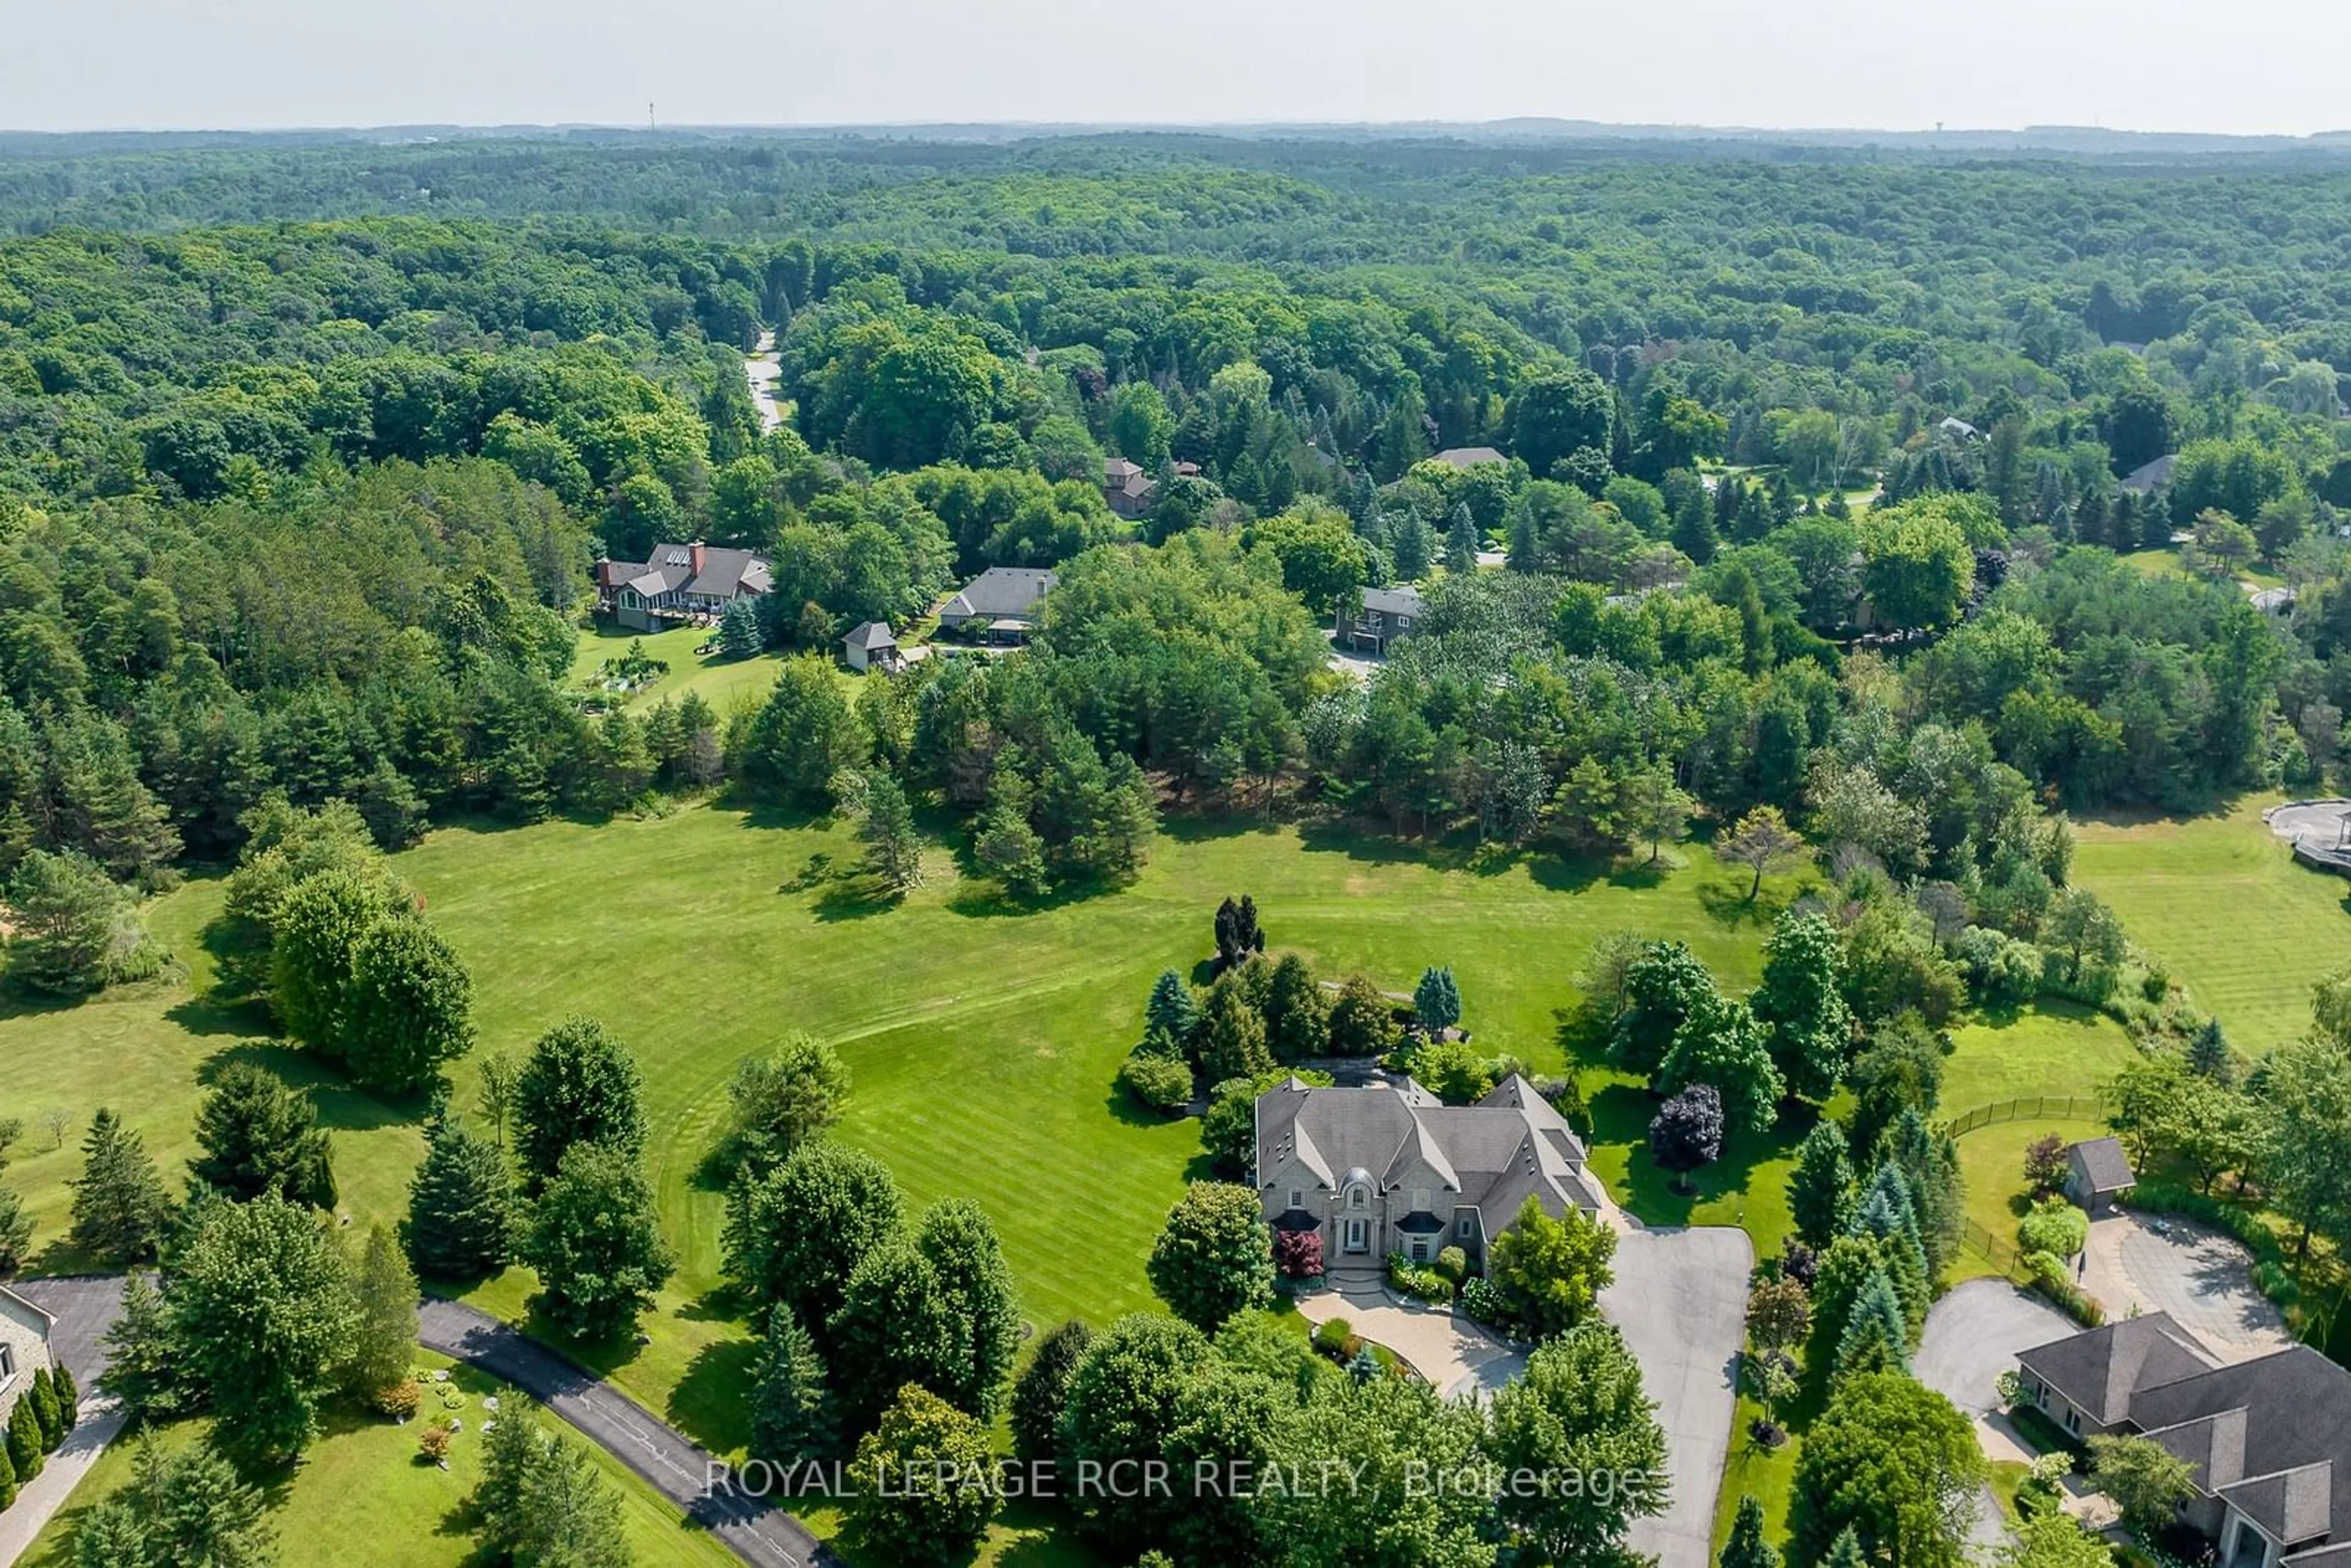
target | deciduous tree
[
  {"x": 579, "y": 1085},
  {"x": 920, "y": 1496},
  {"x": 1215, "y": 1255},
  {"x": 262, "y": 1313},
  {"x": 596, "y": 1243}
]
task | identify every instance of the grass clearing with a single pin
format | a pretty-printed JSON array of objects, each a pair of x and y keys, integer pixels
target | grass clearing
[
  {"x": 984, "y": 1037},
  {"x": 721, "y": 682},
  {"x": 2223, "y": 903},
  {"x": 362, "y": 1494}
]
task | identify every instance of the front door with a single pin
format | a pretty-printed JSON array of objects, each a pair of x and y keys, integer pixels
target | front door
[{"x": 1358, "y": 1240}]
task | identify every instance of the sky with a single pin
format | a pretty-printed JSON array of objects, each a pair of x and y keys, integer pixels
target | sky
[{"x": 2247, "y": 65}]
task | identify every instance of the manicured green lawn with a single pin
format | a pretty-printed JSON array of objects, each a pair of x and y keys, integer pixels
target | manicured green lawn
[
  {"x": 362, "y": 1494},
  {"x": 2223, "y": 903},
  {"x": 721, "y": 682}
]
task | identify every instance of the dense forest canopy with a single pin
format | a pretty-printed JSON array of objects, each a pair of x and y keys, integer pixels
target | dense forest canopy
[{"x": 1812, "y": 474}]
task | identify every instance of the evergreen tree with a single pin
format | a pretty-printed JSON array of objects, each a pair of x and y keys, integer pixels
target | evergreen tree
[
  {"x": 1884, "y": 1216},
  {"x": 1297, "y": 1012},
  {"x": 738, "y": 630},
  {"x": 258, "y": 1136},
  {"x": 43, "y": 1396},
  {"x": 2209, "y": 1057},
  {"x": 1232, "y": 1032},
  {"x": 1172, "y": 1012},
  {"x": 791, "y": 1413},
  {"x": 1043, "y": 1391},
  {"x": 1876, "y": 1338},
  {"x": 1461, "y": 542},
  {"x": 1694, "y": 532},
  {"x": 1747, "y": 1547},
  {"x": 1930, "y": 1162},
  {"x": 15, "y": 1233},
  {"x": 144, "y": 1372},
  {"x": 119, "y": 1206},
  {"x": 68, "y": 919},
  {"x": 1436, "y": 1000},
  {"x": 1414, "y": 547},
  {"x": 567, "y": 1514},
  {"x": 1820, "y": 1187},
  {"x": 186, "y": 1507},
  {"x": 461, "y": 1205},
  {"x": 1844, "y": 1552},
  {"x": 25, "y": 1447},
  {"x": 69, "y": 1394}
]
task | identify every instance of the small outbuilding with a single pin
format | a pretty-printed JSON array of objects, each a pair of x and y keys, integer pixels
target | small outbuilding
[
  {"x": 2097, "y": 1171},
  {"x": 871, "y": 646}
]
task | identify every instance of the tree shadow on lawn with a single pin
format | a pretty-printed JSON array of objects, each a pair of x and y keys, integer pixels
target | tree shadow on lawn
[
  {"x": 1621, "y": 1114},
  {"x": 1192, "y": 823},
  {"x": 1046, "y": 1539},
  {"x": 342, "y": 1105},
  {"x": 711, "y": 1403},
  {"x": 1731, "y": 907},
  {"x": 210, "y": 1013},
  {"x": 1126, "y": 1112}
]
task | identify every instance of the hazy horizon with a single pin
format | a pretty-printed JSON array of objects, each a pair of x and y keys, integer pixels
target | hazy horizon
[{"x": 2263, "y": 67}]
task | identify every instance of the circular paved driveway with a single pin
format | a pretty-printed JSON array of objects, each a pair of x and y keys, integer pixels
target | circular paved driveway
[
  {"x": 2203, "y": 1279},
  {"x": 1974, "y": 1334}
]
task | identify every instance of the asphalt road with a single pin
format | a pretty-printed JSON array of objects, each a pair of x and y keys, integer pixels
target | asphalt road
[
  {"x": 1680, "y": 1298},
  {"x": 754, "y": 1529}
]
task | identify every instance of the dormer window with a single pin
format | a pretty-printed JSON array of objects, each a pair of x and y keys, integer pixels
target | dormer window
[
  {"x": 1298, "y": 1198},
  {"x": 1357, "y": 1197}
]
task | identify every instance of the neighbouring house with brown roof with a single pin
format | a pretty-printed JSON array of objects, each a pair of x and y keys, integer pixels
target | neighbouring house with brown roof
[
  {"x": 1129, "y": 489},
  {"x": 2267, "y": 1441},
  {"x": 1383, "y": 1170},
  {"x": 678, "y": 583},
  {"x": 2097, "y": 1173}
]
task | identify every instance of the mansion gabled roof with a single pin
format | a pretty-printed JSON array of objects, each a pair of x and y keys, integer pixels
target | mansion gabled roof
[{"x": 1492, "y": 1155}]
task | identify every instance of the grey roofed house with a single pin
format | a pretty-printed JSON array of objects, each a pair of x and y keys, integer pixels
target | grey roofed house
[
  {"x": 2097, "y": 1170},
  {"x": 1952, "y": 424},
  {"x": 2098, "y": 1371},
  {"x": 677, "y": 581},
  {"x": 1386, "y": 614},
  {"x": 999, "y": 594},
  {"x": 870, "y": 643},
  {"x": 2151, "y": 477},
  {"x": 1380, "y": 1170},
  {"x": 2267, "y": 1441},
  {"x": 1468, "y": 456}
]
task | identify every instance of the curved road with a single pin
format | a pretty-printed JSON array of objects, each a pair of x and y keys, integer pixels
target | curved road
[{"x": 754, "y": 1529}]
